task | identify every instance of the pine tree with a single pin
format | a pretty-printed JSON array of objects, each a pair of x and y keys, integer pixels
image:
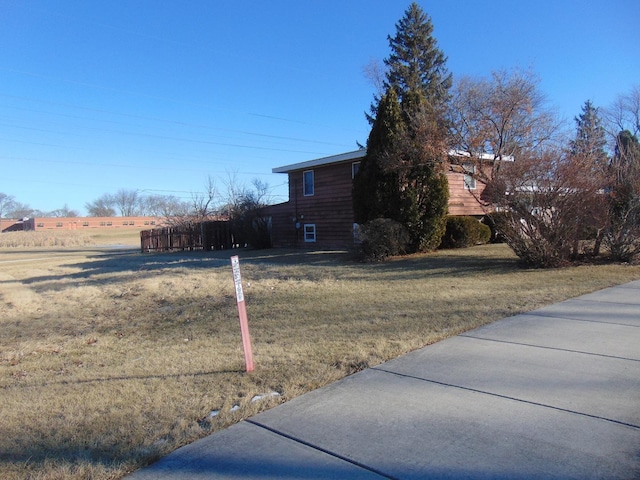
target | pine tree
[
  {"x": 375, "y": 188},
  {"x": 416, "y": 63},
  {"x": 402, "y": 176},
  {"x": 590, "y": 139}
]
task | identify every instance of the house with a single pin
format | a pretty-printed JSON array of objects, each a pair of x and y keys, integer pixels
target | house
[{"x": 319, "y": 213}]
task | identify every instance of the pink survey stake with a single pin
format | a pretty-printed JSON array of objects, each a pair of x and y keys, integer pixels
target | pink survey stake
[{"x": 242, "y": 313}]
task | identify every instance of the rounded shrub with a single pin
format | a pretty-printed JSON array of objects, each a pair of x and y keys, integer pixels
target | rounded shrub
[
  {"x": 382, "y": 238},
  {"x": 494, "y": 220},
  {"x": 462, "y": 232}
]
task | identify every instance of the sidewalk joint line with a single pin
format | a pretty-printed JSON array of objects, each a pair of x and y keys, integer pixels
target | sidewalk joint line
[
  {"x": 537, "y": 313},
  {"x": 498, "y": 395},
  {"x": 550, "y": 348},
  {"x": 320, "y": 449},
  {"x": 608, "y": 302}
]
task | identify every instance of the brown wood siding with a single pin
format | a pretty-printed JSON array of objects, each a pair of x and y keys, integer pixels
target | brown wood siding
[
  {"x": 461, "y": 200},
  {"x": 329, "y": 209},
  {"x": 283, "y": 232}
]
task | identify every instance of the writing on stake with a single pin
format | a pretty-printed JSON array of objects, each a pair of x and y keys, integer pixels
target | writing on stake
[{"x": 242, "y": 313}]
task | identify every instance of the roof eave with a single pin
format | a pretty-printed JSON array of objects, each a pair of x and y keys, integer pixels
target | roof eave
[{"x": 319, "y": 162}]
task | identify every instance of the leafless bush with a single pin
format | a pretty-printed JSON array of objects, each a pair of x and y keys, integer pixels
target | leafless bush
[
  {"x": 623, "y": 199},
  {"x": 547, "y": 204}
]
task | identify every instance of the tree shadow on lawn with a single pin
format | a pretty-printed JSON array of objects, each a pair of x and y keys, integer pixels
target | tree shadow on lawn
[
  {"x": 447, "y": 265},
  {"x": 113, "y": 267},
  {"x": 124, "y": 378}
]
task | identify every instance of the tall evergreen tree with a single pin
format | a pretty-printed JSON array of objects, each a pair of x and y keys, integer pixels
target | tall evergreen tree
[
  {"x": 590, "y": 139},
  {"x": 375, "y": 187},
  {"x": 416, "y": 63},
  {"x": 590, "y": 164},
  {"x": 402, "y": 175}
]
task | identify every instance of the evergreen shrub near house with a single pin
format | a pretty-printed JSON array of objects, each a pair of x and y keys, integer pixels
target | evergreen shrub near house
[
  {"x": 492, "y": 220},
  {"x": 382, "y": 238},
  {"x": 402, "y": 176},
  {"x": 465, "y": 231}
]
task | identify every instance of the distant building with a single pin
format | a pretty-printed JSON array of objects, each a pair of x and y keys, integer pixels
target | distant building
[
  {"x": 86, "y": 223},
  {"x": 11, "y": 224}
]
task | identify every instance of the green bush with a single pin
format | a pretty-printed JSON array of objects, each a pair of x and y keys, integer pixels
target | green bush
[
  {"x": 465, "y": 232},
  {"x": 382, "y": 238},
  {"x": 493, "y": 220}
]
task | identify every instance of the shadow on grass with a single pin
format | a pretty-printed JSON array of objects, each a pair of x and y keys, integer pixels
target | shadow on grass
[
  {"x": 110, "y": 267},
  {"x": 124, "y": 378}
]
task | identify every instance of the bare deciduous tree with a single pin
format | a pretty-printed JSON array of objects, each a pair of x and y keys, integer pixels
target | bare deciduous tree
[
  {"x": 65, "y": 211},
  {"x": 20, "y": 210},
  {"x": 376, "y": 72},
  {"x": 503, "y": 116},
  {"x": 624, "y": 113},
  {"x": 201, "y": 207},
  {"x": 127, "y": 202},
  {"x": 167, "y": 206},
  {"x": 101, "y": 206},
  {"x": 5, "y": 205},
  {"x": 246, "y": 212}
]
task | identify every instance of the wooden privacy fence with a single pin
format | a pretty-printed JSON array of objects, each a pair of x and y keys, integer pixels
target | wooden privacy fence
[{"x": 214, "y": 235}]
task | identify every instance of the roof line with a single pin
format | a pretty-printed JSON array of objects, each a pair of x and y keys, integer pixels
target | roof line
[{"x": 358, "y": 154}]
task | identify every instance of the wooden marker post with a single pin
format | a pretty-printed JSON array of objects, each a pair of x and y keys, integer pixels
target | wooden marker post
[{"x": 242, "y": 313}]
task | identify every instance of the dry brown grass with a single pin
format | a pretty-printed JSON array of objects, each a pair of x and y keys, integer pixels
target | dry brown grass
[
  {"x": 44, "y": 239},
  {"x": 69, "y": 238},
  {"x": 110, "y": 359}
]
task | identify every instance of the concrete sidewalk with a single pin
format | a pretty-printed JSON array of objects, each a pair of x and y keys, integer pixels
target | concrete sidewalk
[{"x": 554, "y": 393}]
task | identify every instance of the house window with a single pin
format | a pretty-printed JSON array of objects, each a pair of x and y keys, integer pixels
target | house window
[
  {"x": 102, "y": 224},
  {"x": 40, "y": 225},
  {"x": 355, "y": 167},
  {"x": 58, "y": 224},
  {"x": 309, "y": 232},
  {"x": 469, "y": 176},
  {"x": 85, "y": 224},
  {"x": 308, "y": 186}
]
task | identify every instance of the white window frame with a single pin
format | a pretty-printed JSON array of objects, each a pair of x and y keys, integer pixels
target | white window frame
[
  {"x": 309, "y": 232},
  {"x": 354, "y": 166},
  {"x": 304, "y": 183},
  {"x": 469, "y": 180}
]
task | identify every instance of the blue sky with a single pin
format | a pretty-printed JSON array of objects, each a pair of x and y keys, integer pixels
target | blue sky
[{"x": 155, "y": 95}]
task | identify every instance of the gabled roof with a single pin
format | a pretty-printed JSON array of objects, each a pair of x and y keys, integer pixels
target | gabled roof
[{"x": 358, "y": 154}]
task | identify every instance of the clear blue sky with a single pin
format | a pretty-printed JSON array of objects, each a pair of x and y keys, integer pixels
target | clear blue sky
[{"x": 155, "y": 95}]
